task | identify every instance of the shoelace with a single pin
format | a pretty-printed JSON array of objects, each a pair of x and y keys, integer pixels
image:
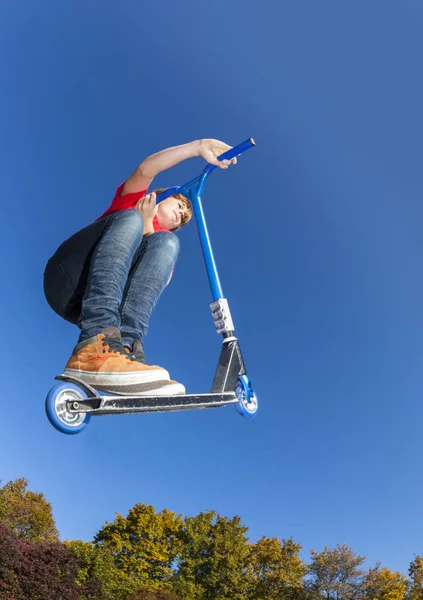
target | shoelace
[
  {"x": 138, "y": 356},
  {"x": 114, "y": 344}
]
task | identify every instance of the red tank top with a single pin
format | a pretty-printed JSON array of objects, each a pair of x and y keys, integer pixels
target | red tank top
[{"x": 127, "y": 202}]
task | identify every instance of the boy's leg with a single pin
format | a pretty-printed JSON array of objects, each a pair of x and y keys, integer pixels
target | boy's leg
[
  {"x": 109, "y": 269},
  {"x": 150, "y": 273},
  {"x": 66, "y": 273},
  {"x": 99, "y": 358}
]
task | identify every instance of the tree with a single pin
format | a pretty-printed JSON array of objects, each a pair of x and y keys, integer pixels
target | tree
[
  {"x": 213, "y": 559},
  {"x": 35, "y": 570},
  {"x": 275, "y": 569},
  {"x": 153, "y": 595},
  {"x": 28, "y": 514},
  {"x": 383, "y": 584},
  {"x": 416, "y": 576},
  {"x": 335, "y": 574},
  {"x": 98, "y": 573},
  {"x": 9, "y": 560},
  {"x": 144, "y": 544},
  {"x": 47, "y": 571}
]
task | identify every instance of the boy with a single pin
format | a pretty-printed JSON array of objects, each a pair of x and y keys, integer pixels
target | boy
[{"x": 108, "y": 277}]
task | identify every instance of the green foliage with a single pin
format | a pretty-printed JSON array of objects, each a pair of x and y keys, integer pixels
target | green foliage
[
  {"x": 144, "y": 544},
  {"x": 153, "y": 595},
  {"x": 27, "y": 514},
  {"x": 97, "y": 564},
  {"x": 275, "y": 570},
  {"x": 213, "y": 558}
]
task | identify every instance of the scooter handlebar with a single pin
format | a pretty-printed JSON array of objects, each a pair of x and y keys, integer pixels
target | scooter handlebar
[
  {"x": 232, "y": 153},
  {"x": 237, "y": 150}
]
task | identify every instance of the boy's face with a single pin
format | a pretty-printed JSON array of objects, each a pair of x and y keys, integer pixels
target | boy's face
[{"x": 170, "y": 212}]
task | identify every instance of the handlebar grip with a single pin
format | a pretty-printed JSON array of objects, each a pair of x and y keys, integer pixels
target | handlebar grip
[{"x": 237, "y": 150}]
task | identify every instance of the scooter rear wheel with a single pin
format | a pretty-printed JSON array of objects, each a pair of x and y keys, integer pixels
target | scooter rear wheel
[{"x": 57, "y": 412}]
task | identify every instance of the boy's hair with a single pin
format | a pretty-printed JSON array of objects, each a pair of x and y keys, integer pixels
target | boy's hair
[{"x": 187, "y": 216}]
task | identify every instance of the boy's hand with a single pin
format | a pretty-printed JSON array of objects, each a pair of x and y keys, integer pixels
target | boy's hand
[
  {"x": 210, "y": 149},
  {"x": 147, "y": 206}
]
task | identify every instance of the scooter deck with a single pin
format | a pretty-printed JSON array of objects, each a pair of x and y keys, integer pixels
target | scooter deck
[{"x": 99, "y": 404}]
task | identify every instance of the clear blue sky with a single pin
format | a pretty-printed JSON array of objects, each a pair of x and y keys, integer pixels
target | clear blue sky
[{"x": 317, "y": 234}]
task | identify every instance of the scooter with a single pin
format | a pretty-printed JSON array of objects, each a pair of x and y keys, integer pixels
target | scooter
[{"x": 71, "y": 402}]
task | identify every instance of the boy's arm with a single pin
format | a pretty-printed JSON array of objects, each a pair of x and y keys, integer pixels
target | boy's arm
[
  {"x": 144, "y": 174},
  {"x": 148, "y": 208}
]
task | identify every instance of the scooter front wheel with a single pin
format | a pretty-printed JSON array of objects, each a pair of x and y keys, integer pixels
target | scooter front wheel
[
  {"x": 248, "y": 401},
  {"x": 57, "y": 411}
]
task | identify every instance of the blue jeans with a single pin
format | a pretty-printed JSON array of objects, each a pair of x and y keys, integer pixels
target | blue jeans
[{"x": 108, "y": 275}]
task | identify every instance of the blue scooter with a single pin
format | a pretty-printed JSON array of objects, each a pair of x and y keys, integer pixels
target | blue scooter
[{"x": 71, "y": 402}]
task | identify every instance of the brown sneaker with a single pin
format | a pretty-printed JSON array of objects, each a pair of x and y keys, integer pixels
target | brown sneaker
[
  {"x": 172, "y": 388},
  {"x": 102, "y": 362}
]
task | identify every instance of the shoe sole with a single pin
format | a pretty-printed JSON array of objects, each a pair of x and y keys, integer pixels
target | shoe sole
[
  {"x": 174, "y": 389},
  {"x": 122, "y": 382}
]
